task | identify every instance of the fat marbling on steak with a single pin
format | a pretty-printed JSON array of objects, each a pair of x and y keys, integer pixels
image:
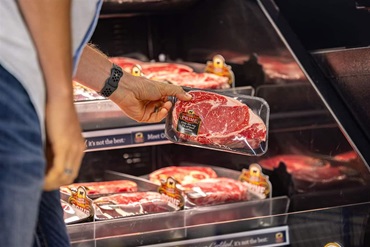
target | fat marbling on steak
[{"x": 214, "y": 119}]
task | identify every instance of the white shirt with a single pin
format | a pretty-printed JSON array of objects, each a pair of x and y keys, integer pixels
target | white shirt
[{"x": 18, "y": 54}]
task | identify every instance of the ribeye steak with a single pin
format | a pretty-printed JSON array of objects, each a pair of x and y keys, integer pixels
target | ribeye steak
[{"x": 214, "y": 119}]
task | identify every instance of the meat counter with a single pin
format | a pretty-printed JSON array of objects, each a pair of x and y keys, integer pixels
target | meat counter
[{"x": 316, "y": 159}]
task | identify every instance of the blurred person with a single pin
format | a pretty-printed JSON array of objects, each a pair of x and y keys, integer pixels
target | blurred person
[{"x": 43, "y": 46}]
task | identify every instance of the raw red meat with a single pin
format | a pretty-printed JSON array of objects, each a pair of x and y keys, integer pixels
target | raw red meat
[
  {"x": 158, "y": 69},
  {"x": 128, "y": 204},
  {"x": 306, "y": 168},
  {"x": 275, "y": 67},
  {"x": 215, "y": 191},
  {"x": 183, "y": 174},
  {"x": 125, "y": 63},
  {"x": 347, "y": 156},
  {"x": 183, "y": 75},
  {"x": 278, "y": 68},
  {"x": 225, "y": 122},
  {"x": 178, "y": 74},
  {"x": 128, "y": 198},
  {"x": 293, "y": 162},
  {"x": 197, "y": 80},
  {"x": 105, "y": 187}
]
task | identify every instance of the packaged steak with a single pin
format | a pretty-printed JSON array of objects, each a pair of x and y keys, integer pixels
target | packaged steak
[
  {"x": 77, "y": 207},
  {"x": 214, "y": 191},
  {"x": 309, "y": 173},
  {"x": 182, "y": 75},
  {"x": 130, "y": 204},
  {"x": 182, "y": 174},
  {"x": 82, "y": 93},
  {"x": 72, "y": 214},
  {"x": 227, "y": 122},
  {"x": 96, "y": 189},
  {"x": 126, "y": 63}
]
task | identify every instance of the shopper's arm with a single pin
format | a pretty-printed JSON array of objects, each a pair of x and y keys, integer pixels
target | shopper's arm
[
  {"x": 49, "y": 24},
  {"x": 141, "y": 99}
]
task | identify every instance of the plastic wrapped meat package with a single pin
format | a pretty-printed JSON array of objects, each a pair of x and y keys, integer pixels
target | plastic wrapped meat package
[
  {"x": 82, "y": 93},
  {"x": 310, "y": 173},
  {"x": 121, "y": 195},
  {"x": 174, "y": 73},
  {"x": 220, "y": 121},
  {"x": 182, "y": 174},
  {"x": 130, "y": 204},
  {"x": 213, "y": 191},
  {"x": 72, "y": 214},
  {"x": 204, "y": 185},
  {"x": 97, "y": 189}
]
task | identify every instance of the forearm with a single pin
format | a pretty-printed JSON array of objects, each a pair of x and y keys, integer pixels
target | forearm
[
  {"x": 141, "y": 99},
  {"x": 93, "y": 68},
  {"x": 49, "y": 24}
]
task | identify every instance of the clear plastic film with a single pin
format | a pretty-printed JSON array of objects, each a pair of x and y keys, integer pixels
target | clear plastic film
[
  {"x": 130, "y": 204},
  {"x": 221, "y": 121}
]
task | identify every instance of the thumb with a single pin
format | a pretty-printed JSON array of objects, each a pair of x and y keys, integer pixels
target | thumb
[{"x": 177, "y": 91}]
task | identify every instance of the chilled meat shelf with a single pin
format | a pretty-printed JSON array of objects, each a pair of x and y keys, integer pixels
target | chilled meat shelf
[{"x": 318, "y": 118}]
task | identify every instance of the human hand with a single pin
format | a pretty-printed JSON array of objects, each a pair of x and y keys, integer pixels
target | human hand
[
  {"x": 65, "y": 144},
  {"x": 145, "y": 100}
]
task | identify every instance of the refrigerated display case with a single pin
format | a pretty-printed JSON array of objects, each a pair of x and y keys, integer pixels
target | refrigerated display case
[{"x": 316, "y": 86}]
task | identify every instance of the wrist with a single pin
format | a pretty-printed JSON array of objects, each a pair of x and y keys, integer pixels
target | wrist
[{"x": 111, "y": 83}]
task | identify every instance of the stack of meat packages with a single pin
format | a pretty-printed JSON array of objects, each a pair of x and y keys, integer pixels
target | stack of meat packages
[
  {"x": 119, "y": 198},
  {"x": 174, "y": 73},
  {"x": 201, "y": 185}
]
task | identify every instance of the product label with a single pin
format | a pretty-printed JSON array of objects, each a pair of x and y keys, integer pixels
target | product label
[
  {"x": 171, "y": 193},
  {"x": 258, "y": 184},
  {"x": 188, "y": 123},
  {"x": 218, "y": 67},
  {"x": 79, "y": 199}
]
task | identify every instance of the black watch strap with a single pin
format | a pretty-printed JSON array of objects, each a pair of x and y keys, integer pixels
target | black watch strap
[{"x": 112, "y": 81}]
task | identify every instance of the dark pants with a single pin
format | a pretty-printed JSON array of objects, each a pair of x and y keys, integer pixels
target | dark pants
[{"x": 27, "y": 214}]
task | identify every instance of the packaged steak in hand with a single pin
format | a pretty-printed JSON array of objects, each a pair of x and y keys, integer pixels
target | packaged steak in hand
[{"x": 227, "y": 122}]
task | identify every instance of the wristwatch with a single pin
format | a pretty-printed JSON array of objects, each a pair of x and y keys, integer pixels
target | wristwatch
[{"x": 111, "y": 84}]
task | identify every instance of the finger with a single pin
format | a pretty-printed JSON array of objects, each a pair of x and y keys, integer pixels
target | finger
[
  {"x": 74, "y": 158},
  {"x": 70, "y": 162},
  {"x": 158, "y": 116},
  {"x": 173, "y": 90},
  {"x": 53, "y": 179},
  {"x": 59, "y": 175},
  {"x": 65, "y": 167},
  {"x": 157, "y": 112}
]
